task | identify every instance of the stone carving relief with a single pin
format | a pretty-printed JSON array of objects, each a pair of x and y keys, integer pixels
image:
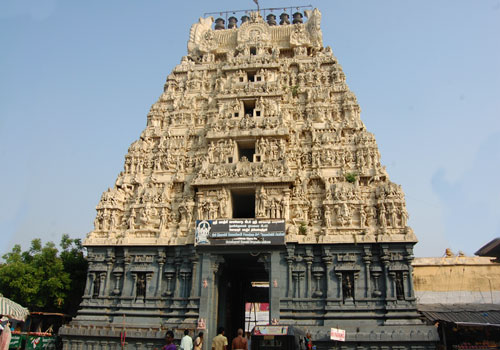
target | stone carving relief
[{"x": 265, "y": 107}]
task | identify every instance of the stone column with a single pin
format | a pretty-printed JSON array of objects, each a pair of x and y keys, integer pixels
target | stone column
[
  {"x": 275, "y": 286},
  {"x": 289, "y": 261},
  {"x": 177, "y": 284},
  {"x": 161, "y": 261},
  {"x": 118, "y": 276},
  {"x": 89, "y": 286},
  {"x": 367, "y": 260},
  {"x": 133, "y": 290},
  {"x": 208, "y": 308},
  {"x": 339, "y": 287},
  {"x": 308, "y": 259},
  {"x": 409, "y": 259},
  {"x": 128, "y": 288},
  {"x": 194, "y": 280},
  {"x": 102, "y": 278},
  {"x": 328, "y": 261},
  {"x": 392, "y": 287},
  {"x": 109, "y": 267},
  {"x": 385, "y": 262},
  {"x": 149, "y": 288}
]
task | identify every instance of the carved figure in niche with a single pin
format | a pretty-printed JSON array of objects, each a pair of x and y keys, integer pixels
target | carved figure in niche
[
  {"x": 261, "y": 202},
  {"x": 316, "y": 214},
  {"x": 403, "y": 214},
  {"x": 400, "y": 292},
  {"x": 393, "y": 215},
  {"x": 347, "y": 286},
  {"x": 362, "y": 216},
  {"x": 163, "y": 218},
  {"x": 97, "y": 225},
  {"x": 222, "y": 197},
  {"x": 113, "y": 220},
  {"x": 97, "y": 286},
  {"x": 131, "y": 219},
  {"x": 381, "y": 216},
  {"x": 140, "y": 286},
  {"x": 285, "y": 208},
  {"x": 328, "y": 216},
  {"x": 212, "y": 210}
]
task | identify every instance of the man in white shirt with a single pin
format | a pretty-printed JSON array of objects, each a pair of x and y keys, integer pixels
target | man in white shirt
[{"x": 187, "y": 341}]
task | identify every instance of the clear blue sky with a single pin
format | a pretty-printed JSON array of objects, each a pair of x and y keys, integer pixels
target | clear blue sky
[{"x": 77, "y": 79}]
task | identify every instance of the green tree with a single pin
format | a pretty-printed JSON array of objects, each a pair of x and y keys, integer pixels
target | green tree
[
  {"x": 42, "y": 279},
  {"x": 76, "y": 266}
]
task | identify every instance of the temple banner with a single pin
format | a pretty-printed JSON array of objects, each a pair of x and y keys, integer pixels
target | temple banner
[{"x": 240, "y": 232}]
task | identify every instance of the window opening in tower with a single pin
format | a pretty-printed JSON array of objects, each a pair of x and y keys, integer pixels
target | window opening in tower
[
  {"x": 251, "y": 76},
  {"x": 246, "y": 150},
  {"x": 249, "y": 107},
  {"x": 243, "y": 203}
]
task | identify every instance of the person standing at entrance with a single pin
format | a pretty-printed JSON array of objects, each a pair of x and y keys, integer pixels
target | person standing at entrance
[
  {"x": 220, "y": 341},
  {"x": 198, "y": 342},
  {"x": 169, "y": 339},
  {"x": 186, "y": 342},
  {"x": 239, "y": 343}
]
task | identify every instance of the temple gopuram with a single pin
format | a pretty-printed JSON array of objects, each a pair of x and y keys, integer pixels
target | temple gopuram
[{"x": 255, "y": 180}]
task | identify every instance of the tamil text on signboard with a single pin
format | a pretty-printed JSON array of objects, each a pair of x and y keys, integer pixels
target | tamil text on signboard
[{"x": 240, "y": 232}]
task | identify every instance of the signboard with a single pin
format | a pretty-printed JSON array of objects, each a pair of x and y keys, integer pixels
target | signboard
[
  {"x": 337, "y": 334},
  {"x": 17, "y": 341},
  {"x": 240, "y": 232},
  {"x": 270, "y": 330},
  {"x": 40, "y": 342}
]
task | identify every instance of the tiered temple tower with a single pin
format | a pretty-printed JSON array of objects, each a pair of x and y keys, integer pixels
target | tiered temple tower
[{"x": 256, "y": 123}]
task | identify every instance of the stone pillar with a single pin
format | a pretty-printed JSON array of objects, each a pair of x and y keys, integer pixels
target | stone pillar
[
  {"x": 385, "y": 262},
  {"x": 89, "y": 285},
  {"x": 177, "y": 283},
  {"x": 134, "y": 285},
  {"x": 194, "y": 280},
  {"x": 328, "y": 261},
  {"x": 161, "y": 261},
  {"x": 289, "y": 261},
  {"x": 275, "y": 285},
  {"x": 150, "y": 289},
  {"x": 392, "y": 286},
  {"x": 118, "y": 276},
  {"x": 308, "y": 258},
  {"x": 367, "y": 260},
  {"x": 128, "y": 287},
  {"x": 102, "y": 279},
  {"x": 409, "y": 259},
  {"x": 109, "y": 267},
  {"x": 339, "y": 286},
  {"x": 208, "y": 308}
]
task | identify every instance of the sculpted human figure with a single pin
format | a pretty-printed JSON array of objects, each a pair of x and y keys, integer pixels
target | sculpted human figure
[
  {"x": 403, "y": 215},
  {"x": 328, "y": 216},
  {"x": 381, "y": 216},
  {"x": 362, "y": 216},
  {"x": 131, "y": 220}
]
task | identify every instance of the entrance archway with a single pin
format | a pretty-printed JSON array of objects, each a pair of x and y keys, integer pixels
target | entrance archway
[{"x": 242, "y": 279}]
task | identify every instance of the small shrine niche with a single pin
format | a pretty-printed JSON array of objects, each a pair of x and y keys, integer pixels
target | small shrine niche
[{"x": 140, "y": 286}]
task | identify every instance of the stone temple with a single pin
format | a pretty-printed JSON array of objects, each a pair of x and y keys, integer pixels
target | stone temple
[{"x": 254, "y": 168}]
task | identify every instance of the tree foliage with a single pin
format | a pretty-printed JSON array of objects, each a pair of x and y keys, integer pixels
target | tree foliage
[{"x": 44, "y": 279}]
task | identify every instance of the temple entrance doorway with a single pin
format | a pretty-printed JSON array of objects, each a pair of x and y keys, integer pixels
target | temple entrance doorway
[{"x": 243, "y": 280}]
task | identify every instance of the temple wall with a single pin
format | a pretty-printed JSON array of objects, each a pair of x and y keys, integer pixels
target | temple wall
[{"x": 457, "y": 279}]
